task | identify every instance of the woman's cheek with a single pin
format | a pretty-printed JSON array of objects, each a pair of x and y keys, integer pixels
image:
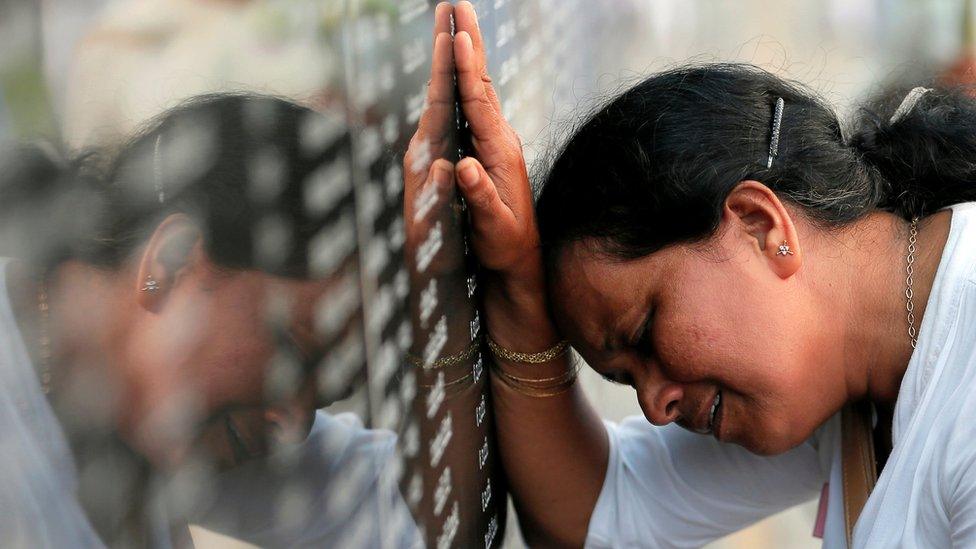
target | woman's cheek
[{"x": 686, "y": 348}]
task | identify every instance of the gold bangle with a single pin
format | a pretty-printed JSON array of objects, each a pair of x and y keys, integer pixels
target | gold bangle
[
  {"x": 551, "y": 353},
  {"x": 543, "y": 394},
  {"x": 550, "y": 386},
  {"x": 448, "y": 361},
  {"x": 448, "y": 384},
  {"x": 532, "y": 380}
]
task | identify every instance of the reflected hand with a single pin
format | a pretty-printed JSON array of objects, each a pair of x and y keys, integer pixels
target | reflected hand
[
  {"x": 434, "y": 134},
  {"x": 428, "y": 177}
]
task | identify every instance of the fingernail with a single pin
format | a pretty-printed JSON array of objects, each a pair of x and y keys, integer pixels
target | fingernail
[{"x": 469, "y": 175}]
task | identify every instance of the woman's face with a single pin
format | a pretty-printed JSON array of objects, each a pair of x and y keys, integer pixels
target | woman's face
[
  {"x": 689, "y": 326},
  {"x": 221, "y": 364}
]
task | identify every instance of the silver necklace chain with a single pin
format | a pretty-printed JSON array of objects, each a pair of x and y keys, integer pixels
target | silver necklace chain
[
  {"x": 44, "y": 339},
  {"x": 910, "y": 281}
]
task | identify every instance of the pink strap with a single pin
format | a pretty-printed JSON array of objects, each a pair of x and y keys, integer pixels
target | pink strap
[{"x": 818, "y": 527}]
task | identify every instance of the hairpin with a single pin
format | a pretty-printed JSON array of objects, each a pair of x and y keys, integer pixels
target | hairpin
[
  {"x": 774, "y": 140},
  {"x": 158, "y": 171},
  {"x": 908, "y": 103}
]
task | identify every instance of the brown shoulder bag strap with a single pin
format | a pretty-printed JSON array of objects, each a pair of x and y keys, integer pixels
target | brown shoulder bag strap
[{"x": 858, "y": 464}]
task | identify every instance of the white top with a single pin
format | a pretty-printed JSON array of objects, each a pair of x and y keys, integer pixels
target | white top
[
  {"x": 667, "y": 487},
  {"x": 38, "y": 479},
  {"x": 337, "y": 490}
]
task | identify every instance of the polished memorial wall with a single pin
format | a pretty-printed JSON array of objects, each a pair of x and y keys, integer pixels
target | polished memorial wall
[
  {"x": 425, "y": 373},
  {"x": 403, "y": 374}
]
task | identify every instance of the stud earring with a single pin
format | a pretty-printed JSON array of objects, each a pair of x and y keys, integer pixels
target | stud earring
[
  {"x": 784, "y": 249},
  {"x": 151, "y": 284}
]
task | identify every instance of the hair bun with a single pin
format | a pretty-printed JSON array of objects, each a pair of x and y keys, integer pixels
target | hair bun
[
  {"x": 46, "y": 203},
  {"x": 922, "y": 147}
]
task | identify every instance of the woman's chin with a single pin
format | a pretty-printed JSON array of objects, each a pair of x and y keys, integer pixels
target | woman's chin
[{"x": 768, "y": 444}]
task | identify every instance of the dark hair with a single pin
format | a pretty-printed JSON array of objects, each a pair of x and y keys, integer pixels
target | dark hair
[
  {"x": 42, "y": 200},
  {"x": 236, "y": 164},
  {"x": 654, "y": 166}
]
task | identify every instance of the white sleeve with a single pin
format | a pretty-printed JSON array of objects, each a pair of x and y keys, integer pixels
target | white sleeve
[
  {"x": 338, "y": 490},
  {"x": 962, "y": 509},
  {"x": 667, "y": 487},
  {"x": 958, "y": 477}
]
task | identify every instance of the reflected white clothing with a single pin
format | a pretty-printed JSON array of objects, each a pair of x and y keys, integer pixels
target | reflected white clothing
[
  {"x": 350, "y": 497},
  {"x": 666, "y": 487},
  {"x": 38, "y": 481},
  {"x": 340, "y": 492}
]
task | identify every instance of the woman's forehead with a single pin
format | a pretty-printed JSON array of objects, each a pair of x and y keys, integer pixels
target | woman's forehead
[
  {"x": 297, "y": 304},
  {"x": 595, "y": 296},
  {"x": 298, "y": 299},
  {"x": 582, "y": 268}
]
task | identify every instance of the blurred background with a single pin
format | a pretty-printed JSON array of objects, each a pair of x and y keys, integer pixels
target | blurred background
[{"x": 89, "y": 73}]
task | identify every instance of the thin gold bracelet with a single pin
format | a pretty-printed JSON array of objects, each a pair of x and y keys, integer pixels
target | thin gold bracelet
[
  {"x": 551, "y": 353},
  {"x": 448, "y": 384},
  {"x": 543, "y": 394},
  {"x": 532, "y": 380},
  {"x": 528, "y": 387},
  {"x": 447, "y": 361}
]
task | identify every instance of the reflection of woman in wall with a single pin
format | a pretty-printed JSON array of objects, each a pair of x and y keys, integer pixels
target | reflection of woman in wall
[
  {"x": 159, "y": 325},
  {"x": 743, "y": 267}
]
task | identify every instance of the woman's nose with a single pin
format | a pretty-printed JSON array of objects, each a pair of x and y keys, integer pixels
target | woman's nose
[
  {"x": 660, "y": 401},
  {"x": 292, "y": 421},
  {"x": 289, "y": 425}
]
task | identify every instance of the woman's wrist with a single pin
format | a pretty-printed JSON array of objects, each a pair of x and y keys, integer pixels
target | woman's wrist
[
  {"x": 517, "y": 316},
  {"x": 523, "y": 283}
]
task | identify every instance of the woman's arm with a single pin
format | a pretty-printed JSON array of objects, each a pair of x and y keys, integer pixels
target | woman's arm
[{"x": 554, "y": 449}]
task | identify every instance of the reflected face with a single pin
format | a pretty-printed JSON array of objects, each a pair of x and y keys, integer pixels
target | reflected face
[
  {"x": 712, "y": 340},
  {"x": 223, "y": 367}
]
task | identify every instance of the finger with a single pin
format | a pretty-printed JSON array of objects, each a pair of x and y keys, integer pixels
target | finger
[
  {"x": 485, "y": 121},
  {"x": 416, "y": 184},
  {"x": 442, "y": 70},
  {"x": 466, "y": 20},
  {"x": 435, "y": 120},
  {"x": 442, "y": 18},
  {"x": 416, "y": 169},
  {"x": 442, "y": 176},
  {"x": 427, "y": 206},
  {"x": 433, "y": 206},
  {"x": 423, "y": 203},
  {"x": 489, "y": 215}
]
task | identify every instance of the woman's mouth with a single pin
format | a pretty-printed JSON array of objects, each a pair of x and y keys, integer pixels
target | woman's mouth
[
  {"x": 240, "y": 450},
  {"x": 708, "y": 424}
]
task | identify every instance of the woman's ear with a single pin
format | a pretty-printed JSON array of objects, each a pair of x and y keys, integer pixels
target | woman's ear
[
  {"x": 174, "y": 251},
  {"x": 756, "y": 215}
]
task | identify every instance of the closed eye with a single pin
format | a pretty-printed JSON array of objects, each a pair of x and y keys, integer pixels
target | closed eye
[
  {"x": 289, "y": 342},
  {"x": 641, "y": 342},
  {"x": 620, "y": 378}
]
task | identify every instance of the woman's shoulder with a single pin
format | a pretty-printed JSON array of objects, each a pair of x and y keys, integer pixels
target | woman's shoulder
[
  {"x": 957, "y": 267},
  {"x": 962, "y": 234},
  {"x": 967, "y": 216}
]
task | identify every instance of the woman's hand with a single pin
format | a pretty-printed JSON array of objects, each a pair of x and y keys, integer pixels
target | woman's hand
[
  {"x": 554, "y": 449},
  {"x": 504, "y": 233}
]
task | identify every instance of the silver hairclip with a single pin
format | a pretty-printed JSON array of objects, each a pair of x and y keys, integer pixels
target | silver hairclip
[
  {"x": 908, "y": 103},
  {"x": 158, "y": 172},
  {"x": 774, "y": 140}
]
